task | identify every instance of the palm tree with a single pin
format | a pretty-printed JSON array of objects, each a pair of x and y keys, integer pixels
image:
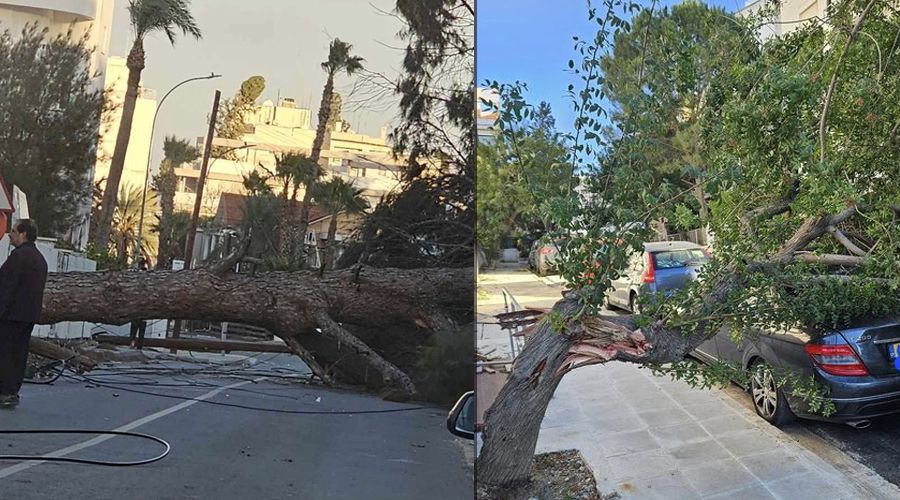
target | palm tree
[
  {"x": 339, "y": 59},
  {"x": 337, "y": 196},
  {"x": 293, "y": 170},
  {"x": 147, "y": 17},
  {"x": 177, "y": 152},
  {"x": 125, "y": 224}
]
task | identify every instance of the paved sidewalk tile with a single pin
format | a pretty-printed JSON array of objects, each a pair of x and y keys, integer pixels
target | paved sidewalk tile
[
  {"x": 636, "y": 466},
  {"x": 812, "y": 486},
  {"x": 699, "y": 453},
  {"x": 774, "y": 465},
  {"x": 662, "y": 418},
  {"x": 668, "y": 486},
  {"x": 748, "y": 442},
  {"x": 723, "y": 475},
  {"x": 628, "y": 443},
  {"x": 680, "y": 434},
  {"x": 719, "y": 426},
  {"x": 706, "y": 411},
  {"x": 755, "y": 492},
  {"x": 624, "y": 421}
]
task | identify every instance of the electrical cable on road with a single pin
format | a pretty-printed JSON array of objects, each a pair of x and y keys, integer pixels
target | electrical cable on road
[
  {"x": 86, "y": 460},
  {"x": 60, "y": 368},
  {"x": 82, "y": 378}
]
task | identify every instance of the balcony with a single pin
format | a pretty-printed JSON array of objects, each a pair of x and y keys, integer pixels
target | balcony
[{"x": 79, "y": 10}]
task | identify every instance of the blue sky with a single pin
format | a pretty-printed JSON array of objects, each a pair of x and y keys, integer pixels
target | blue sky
[{"x": 531, "y": 41}]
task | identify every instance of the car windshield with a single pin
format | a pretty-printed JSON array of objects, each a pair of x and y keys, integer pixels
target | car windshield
[{"x": 678, "y": 258}]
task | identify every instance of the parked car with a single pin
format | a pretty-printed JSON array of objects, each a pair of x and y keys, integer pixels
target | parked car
[
  {"x": 857, "y": 364},
  {"x": 662, "y": 267},
  {"x": 461, "y": 419},
  {"x": 542, "y": 256}
]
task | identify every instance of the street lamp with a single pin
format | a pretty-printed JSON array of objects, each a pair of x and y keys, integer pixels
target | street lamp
[{"x": 137, "y": 247}]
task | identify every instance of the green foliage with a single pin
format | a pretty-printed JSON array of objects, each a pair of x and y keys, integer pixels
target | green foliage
[
  {"x": 337, "y": 195},
  {"x": 340, "y": 59},
  {"x": 520, "y": 175},
  {"x": 170, "y": 227},
  {"x": 52, "y": 116},
  {"x": 430, "y": 222},
  {"x": 704, "y": 376},
  {"x": 148, "y": 16},
  {"x": 231, "y": 118},
  {"x": 687, "y": 102},
  {"x": 126, "y": 222},
  {"x": 105, "y": 258}
]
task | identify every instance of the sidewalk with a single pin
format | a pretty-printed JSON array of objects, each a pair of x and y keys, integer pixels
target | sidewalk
[{"x": 649, "y": 437}]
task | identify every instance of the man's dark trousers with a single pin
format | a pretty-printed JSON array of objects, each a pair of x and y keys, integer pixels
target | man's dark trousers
[{"x": 14, "y": 340}]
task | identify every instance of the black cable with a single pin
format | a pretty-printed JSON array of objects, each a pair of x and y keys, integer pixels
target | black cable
[
  {"x": 256, "y": 408},
  {"x": 86, "y": 460}
]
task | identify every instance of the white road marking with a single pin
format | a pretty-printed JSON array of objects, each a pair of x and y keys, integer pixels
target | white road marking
[{"x": 8, "y": 471}]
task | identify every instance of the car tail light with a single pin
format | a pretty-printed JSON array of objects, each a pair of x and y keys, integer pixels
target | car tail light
[
  {"x": 649, "y": 275},
  {"x": 836, "y": 359},
  {"x": 545, "y": 250}
]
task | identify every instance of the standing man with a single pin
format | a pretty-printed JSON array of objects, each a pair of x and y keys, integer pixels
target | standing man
[{"x": 22, "y": 280}]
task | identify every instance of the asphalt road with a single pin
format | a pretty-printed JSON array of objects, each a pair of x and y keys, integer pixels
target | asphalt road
[{"x": 225, "y": 452}]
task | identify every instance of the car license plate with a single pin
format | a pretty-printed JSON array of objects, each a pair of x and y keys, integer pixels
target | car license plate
[{"x": 894, "y": 350}]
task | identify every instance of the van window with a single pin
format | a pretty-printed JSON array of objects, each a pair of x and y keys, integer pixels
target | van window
[{"x": 678, "y": 258}]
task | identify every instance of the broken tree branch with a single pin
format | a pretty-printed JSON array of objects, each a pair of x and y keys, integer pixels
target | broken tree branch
[
  {"x": 843, "y": 240},
  {"x": 830, "y": 259},
  {"x": 348, "y": 343},
  {"x": 811, "y": 229}
]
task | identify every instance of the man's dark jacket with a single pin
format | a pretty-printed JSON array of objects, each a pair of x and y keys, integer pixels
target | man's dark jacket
[{"x": 22, "y": 280}]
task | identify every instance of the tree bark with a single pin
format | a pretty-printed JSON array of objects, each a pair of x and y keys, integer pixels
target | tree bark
[
  {"x": 512, "y": 424},
  {"x": 53, "y": 351},
  {"x": 324, "y": 111},
  {"x": 303, "y": 309},
  {"x": 135, "y": 65},
  {"x": 328, "y": 261}
]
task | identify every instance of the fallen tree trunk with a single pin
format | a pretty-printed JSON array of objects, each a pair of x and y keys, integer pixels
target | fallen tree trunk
[
  {"x": 300, "y": 307},
  {"x": 55, "y": 351},
  {"x": 199, "y": 344},
  {"x": 512, "y": 424}
]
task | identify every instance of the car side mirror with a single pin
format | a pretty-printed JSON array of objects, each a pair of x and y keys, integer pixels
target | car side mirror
[{"x": 461, "y": 420}]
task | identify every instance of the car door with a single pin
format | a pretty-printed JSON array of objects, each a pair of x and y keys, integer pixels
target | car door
[
  {"x": 727, "y": 349},
  {"x": 621, "y": 286}
]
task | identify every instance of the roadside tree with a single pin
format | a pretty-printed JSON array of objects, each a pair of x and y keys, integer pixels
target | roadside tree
[
  {"x": 53, "y": 114},
  {"x": 803, "y": 145},
  {"x": 147, "y": 17},
  {"x": 176, "y": 152},
  {"x": 366, "y": 325}
]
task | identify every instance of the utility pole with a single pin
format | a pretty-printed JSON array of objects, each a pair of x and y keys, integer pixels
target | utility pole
[{"x": 195, "y": 217}]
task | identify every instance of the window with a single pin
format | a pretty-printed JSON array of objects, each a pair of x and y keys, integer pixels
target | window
[
  {"x": 187, "y": 185},
  {"x": 678, "y": 258}
]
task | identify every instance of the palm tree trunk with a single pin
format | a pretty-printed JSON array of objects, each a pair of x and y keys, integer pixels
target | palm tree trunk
[
  {"x": 303, "y": 225},
  {"x": 324, "y": 112},
  {"x": 329, "y": 244},
  {"x": 110, "y": 194}
]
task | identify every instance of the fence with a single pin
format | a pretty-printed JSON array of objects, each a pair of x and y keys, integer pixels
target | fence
[{"x": 516, "y": 342}]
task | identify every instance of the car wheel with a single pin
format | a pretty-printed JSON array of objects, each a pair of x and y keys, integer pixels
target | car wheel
[
  {"x": 768, "y": 399},
  {"x": 632, "y": 303}
]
